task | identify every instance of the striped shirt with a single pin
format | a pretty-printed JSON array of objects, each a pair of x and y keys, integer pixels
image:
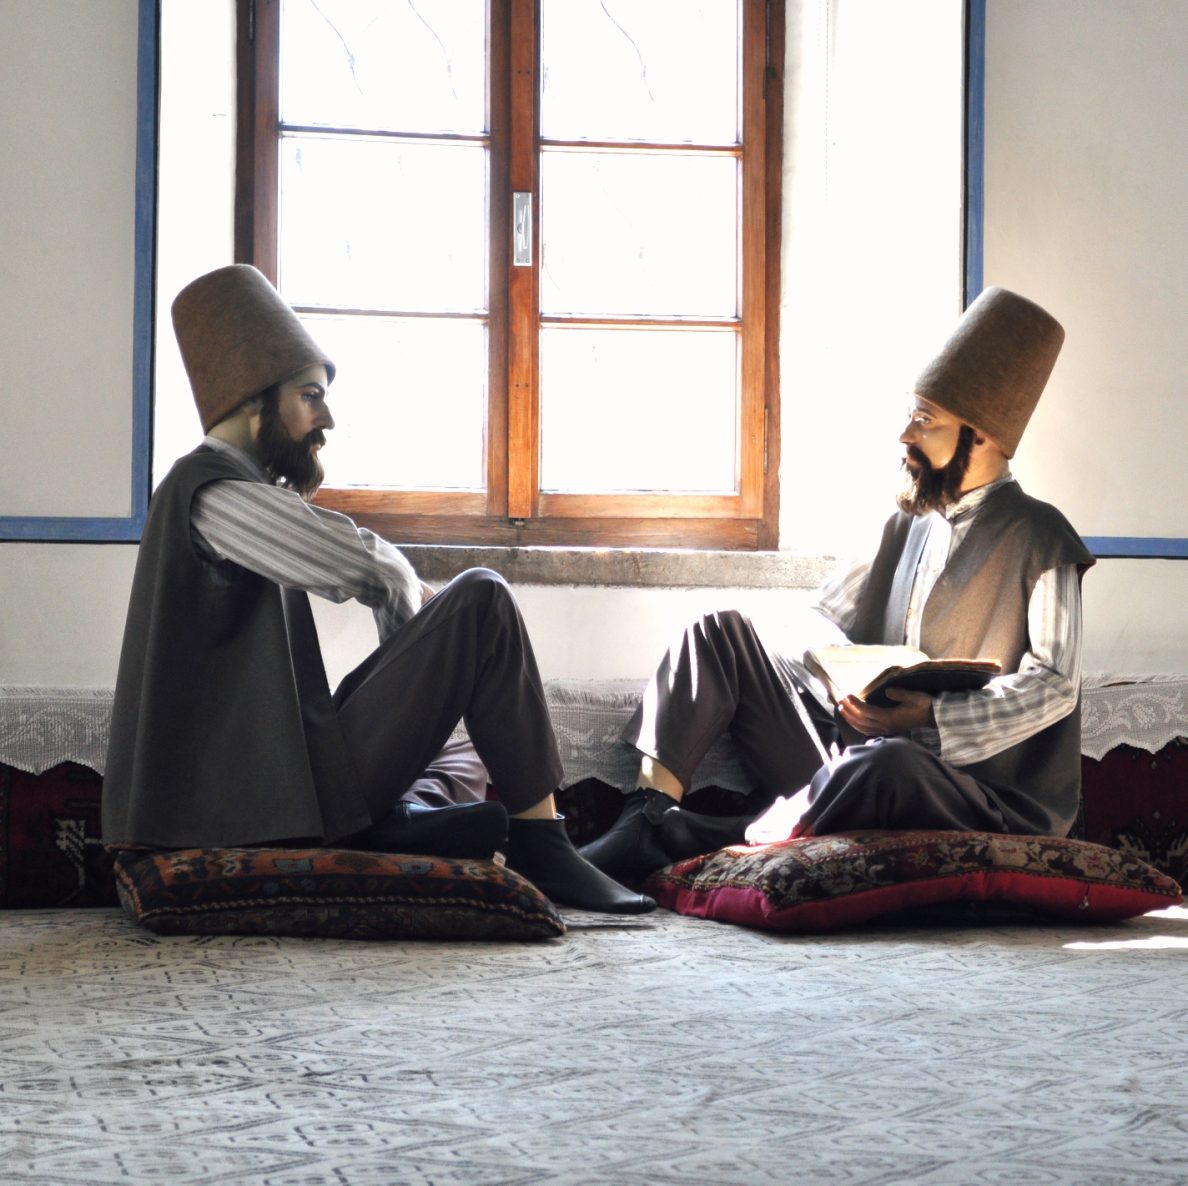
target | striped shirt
[
  {"x": 972, "y": 726},
  {"x": 276, "y": 533}
]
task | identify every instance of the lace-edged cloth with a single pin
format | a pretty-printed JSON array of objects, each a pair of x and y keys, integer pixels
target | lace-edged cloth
[{"x": 41, "y": 727}]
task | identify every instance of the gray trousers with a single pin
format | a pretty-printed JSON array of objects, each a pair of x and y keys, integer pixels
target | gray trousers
[
  {"x": 464, "y": 656},
  {"x": 718, "y": 677}
]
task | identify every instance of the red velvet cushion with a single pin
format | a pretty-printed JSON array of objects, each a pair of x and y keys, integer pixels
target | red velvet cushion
[{"x": 824, "y": 882}]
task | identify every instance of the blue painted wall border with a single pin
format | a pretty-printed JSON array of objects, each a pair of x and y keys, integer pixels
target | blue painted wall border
[
  {"x": 975, "y": 147},
  {"x": 1104, "y": 547},
  {"x": 1117, "y": 547},
  {"x": 107, "y": 529}
]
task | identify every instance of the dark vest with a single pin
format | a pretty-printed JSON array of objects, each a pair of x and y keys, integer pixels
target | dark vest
[
  {"x": 978, "y": 609},
  {"x": 222, "y": 730}
]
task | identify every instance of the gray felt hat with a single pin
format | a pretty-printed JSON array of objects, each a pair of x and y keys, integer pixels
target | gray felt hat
[
  {"x": 238, "y": 338},
  {"x": 993, "y": 369}
]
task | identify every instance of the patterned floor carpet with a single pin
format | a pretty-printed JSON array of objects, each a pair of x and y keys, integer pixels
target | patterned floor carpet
[{"x": 667, "y": 1050}]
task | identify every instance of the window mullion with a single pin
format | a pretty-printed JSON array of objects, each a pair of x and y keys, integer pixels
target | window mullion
[
  {"x": 752, "y": 246},
  {"x": 499, "y": 249},
  {"x": 523, "y": 420},
  {"x": 257, "y": 147}
]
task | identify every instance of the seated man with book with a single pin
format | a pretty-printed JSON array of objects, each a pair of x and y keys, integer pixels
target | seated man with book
[{"x": 969, "y": 568}]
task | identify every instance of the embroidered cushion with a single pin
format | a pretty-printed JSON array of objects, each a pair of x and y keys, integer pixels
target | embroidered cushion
[
  {"x": 326, "y": 892},
  {"x": 824, "y": 882}
]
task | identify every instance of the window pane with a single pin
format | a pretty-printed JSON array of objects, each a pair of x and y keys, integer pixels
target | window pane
[
  {"x": 627, "y": 232},
  {"x": 393, "y": 66},
  {"x": 638, "y": 410},
  {"x": 409, "y": 401},
  {"x": 662, "y": 70},
  {"x": 383, "y": 224}
]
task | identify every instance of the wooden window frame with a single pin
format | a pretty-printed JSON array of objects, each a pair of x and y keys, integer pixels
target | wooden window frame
[{"x": 512, "y": 511}]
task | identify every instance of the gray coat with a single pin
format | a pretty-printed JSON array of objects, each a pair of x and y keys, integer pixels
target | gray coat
[
  {"x": 978, "y": 610},
  {"x": 223, "y": 732}
]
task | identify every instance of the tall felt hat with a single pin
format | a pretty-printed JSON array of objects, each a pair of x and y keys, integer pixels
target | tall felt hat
[
  {"x": 237, "y": 338},
  {"x": 992, "y": 370}
]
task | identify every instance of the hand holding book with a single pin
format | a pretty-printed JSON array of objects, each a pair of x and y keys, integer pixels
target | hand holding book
[{"x": 866, "y": 672}]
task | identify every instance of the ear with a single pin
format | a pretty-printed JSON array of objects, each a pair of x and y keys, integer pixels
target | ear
[{"x": 241, "y": 426}]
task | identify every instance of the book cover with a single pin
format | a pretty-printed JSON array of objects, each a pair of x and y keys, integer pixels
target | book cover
[{"x": 867, "y": 671}]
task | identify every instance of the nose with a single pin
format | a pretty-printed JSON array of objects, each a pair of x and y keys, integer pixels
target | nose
[
  {"x": 909, "y": 433},
  {"x": 325, "y": 420}
]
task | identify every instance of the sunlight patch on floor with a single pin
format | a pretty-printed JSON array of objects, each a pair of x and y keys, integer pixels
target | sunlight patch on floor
[{"x": 1148, "y": 942}]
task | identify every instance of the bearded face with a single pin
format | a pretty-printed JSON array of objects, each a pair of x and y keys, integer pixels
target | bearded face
[
  {"x": 292, "y": 463},
  {"x": 932, "y": 488}
]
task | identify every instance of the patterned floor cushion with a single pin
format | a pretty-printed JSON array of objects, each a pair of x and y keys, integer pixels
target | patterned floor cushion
[
  {"x": 335, "y": 893},
  {"x": 822, "y": 883}
]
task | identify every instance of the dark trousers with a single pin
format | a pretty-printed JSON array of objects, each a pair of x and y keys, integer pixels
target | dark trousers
[
  {"x": 464, "y": 656},
  {"x": 718, "y": 677},
  {"x": 894, "y": 782}
]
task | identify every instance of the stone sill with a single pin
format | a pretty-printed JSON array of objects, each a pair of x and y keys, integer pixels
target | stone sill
[{"x": 663, "y": 568}]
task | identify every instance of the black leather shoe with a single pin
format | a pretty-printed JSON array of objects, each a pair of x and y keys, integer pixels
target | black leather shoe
[
  {"x": 474, "y": 831},
  {"x": 685, "y": 834},
  {"x": 631, "y": 849},
  {"x": 541, "y": 851}
]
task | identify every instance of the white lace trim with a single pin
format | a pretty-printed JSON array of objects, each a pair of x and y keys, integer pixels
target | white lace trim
[
  {"x": 41, "y": 727},
  {"x": 1146, "y": 711}
]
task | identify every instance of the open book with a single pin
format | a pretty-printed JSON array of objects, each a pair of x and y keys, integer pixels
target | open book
[{"x": 867, "y": 671}]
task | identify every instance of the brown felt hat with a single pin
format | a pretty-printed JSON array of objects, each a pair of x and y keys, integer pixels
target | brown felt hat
[
  {"x": 992, "y": 370},
  {"x": 238, "y": 338}
]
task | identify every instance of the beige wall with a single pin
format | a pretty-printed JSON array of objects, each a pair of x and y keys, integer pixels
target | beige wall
[
  {"x": 1070, "y": 80},
  {"x": 68, "y": 128},
  {"x": 1087, "y": 211}
]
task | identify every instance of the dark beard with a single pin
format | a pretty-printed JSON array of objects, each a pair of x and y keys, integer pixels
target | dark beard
[
  {"x": 292, "y": 464},
  {"x": 926, "y": 488}
]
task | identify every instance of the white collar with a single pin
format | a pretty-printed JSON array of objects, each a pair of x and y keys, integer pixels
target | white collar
[{"x": 974, "y": 498}]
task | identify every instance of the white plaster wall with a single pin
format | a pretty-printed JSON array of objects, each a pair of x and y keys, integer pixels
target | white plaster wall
[
  {"x": 67, "y": 238},
  {"x": 589, "y": 633},
  {"x": 871, "y": 259},
  {"x": 62, "y": 612},
  {"x": 1087, "y": 212},
  {"x": 62, "y": 606},
  {"x": 1135, "y": 617},
  {"x": 195, "y": 193}
]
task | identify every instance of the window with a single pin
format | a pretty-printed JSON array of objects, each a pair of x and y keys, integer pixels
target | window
[{"x": 541, "y": 241}]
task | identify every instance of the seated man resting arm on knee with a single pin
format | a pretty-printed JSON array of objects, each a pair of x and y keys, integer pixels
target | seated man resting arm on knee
[{"x": 224, "y": 732}]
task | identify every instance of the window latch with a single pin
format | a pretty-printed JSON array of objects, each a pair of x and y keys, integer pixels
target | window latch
[{"x": 522, "y": 229}]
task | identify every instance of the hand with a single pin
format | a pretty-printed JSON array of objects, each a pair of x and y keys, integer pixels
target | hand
[
  {"x": 427, "y": 591},
  {"x": 913, "y": 710}
]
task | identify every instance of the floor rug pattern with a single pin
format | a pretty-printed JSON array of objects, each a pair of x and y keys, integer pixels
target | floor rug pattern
[{"x": 630, "y": 1052}]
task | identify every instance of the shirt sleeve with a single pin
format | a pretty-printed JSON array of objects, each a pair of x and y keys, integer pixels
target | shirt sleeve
[
  {"x": 276, "y": 533},
  {"x": 973, "y": 726},
  {"x": 837, "y": 601}
]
